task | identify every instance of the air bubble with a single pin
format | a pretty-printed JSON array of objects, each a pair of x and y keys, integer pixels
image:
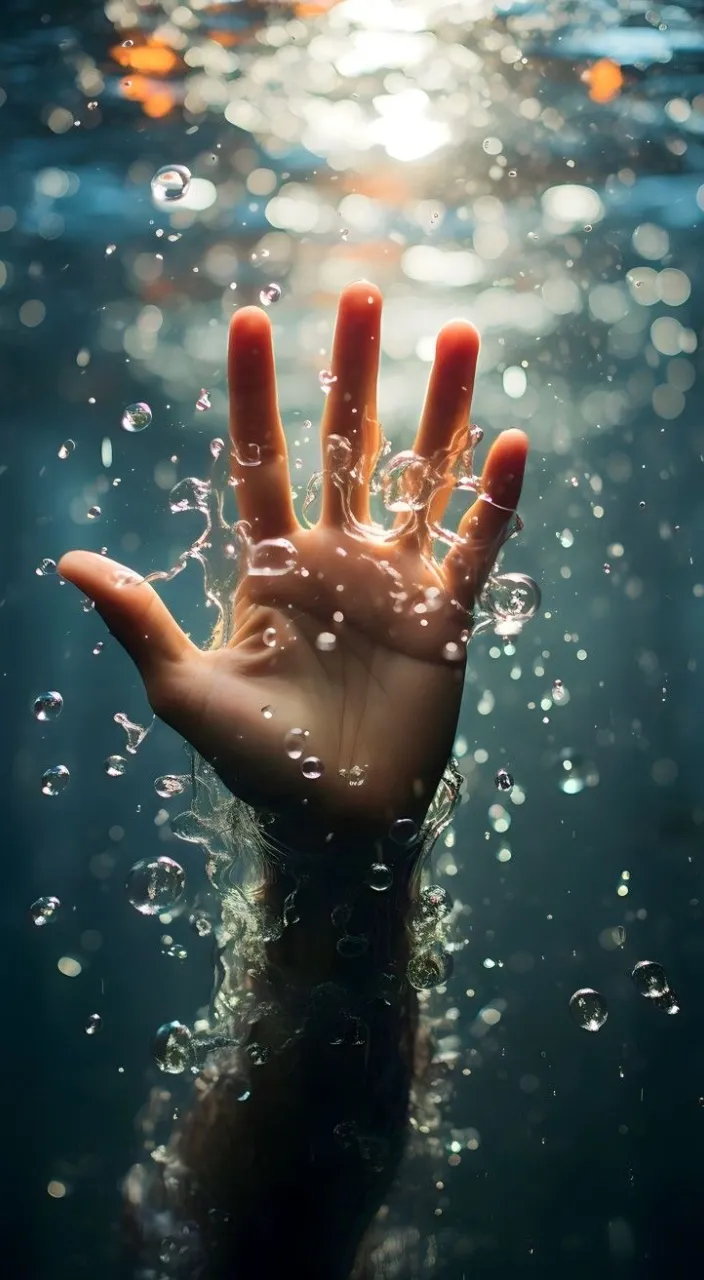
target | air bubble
[
  {"x": 432, "y": 906},
  {"x": 294, "y": 743},
  {"x": 173, "y": 1048},
  {"x": 588, "y": 1008},
  {"x": 93, "y": 1024},
  {"x": 269, "y": 637},
  {"x": 407, "y": 482},
  {"x": 171, "y": 183},
  {"x": 326, "y": 379},
  {"x": 155, "y": 885},
  {"x": 190, "y": 494},
  {"x": 268, "y": 712},
  {"x": 216, "y": 447},
  {"x": 170, "y": 784},
  {"x": 270, "y": 294},
  {"x": 272, "y": 558},
  {"x": 44, "y": 910},
  {"x": 55, "y": 780},
  {"x": 94, "y": 513},
  {"x": 203, "y": 401},
  {"x": 136, "y": 417},
  {"x": 351, "y": 946},
  {"x": 379, "y": 877},
  {"x": 511, "y": 599},
  {"x": 344, "y": 234},
  {"x": 312, "y": 767},
  {"x": 48, "y": 706},
  {"x": 115, "y": 766},
  {"x": 558, "y": 691},
  {"x": 325, "y": 641},
  {"x": 403, "y": 831},
  {"x": 650, "y": 979},
  {"x": 429, "y": 967},
  {"x": 67, "y": 449},
  {"x": 503, "y": 780},
  {"x": 172, "y": 949},
  {"x": 45, "y": 567}
]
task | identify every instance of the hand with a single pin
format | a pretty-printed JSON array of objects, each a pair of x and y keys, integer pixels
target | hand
[{"x": 361, "y": 642}]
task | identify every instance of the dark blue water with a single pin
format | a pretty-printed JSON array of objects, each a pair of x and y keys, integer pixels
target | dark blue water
[{"x": 540, "y": 170}]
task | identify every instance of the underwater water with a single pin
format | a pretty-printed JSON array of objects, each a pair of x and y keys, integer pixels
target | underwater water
[{"x": 539, "y": 170}]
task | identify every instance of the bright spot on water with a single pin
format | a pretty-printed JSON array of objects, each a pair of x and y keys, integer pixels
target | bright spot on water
[
  {"x": 171, "y": 183},
  {"x": 48, "y": 706},
  {"x": 588, "y": 1008},
  {"x": 136, "y": 417},
  {"x": 155, "y": 885},
  {"x": 575, "y": 772},
  {"x": 55, "y": 780},
  {"x": 43, "y": 911},
  {"x": 325, "y": 641}
]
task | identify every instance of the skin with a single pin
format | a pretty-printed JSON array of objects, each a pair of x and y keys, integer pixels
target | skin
[{"x": 269, "y": 1185}]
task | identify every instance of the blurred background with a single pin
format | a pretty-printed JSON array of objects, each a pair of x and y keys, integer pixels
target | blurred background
[{"x": 539, "y": 169}]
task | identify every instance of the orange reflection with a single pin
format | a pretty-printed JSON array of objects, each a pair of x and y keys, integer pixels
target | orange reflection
[
  {"x": 151, "y": 58},
  {"x": 605, "y": 80},
  {"x": 157, "y": 99}
]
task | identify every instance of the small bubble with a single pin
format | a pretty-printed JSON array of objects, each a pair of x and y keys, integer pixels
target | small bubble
[
  {"x": 432, "y": 906},
  {"x": 641, "y": 506},
  {"x": 155, "y": 885},
  {"x": 98, "y": 648},
  {"x": 503, "y": 780},
  {"x": 67, "y": 449},
  {"x": 270, "y": 294},
  {"x": 558, "y": 691},
  {"x": 326, "y": 379},
  {"x": 173, "y": 1048},
  {"x": 294, "y": 743},
  {"x": 403, "y": 831},
  {"x": 109, "y": 250},
  {"x": 203, "y": 402},
  {"x": 379, "y": 877},
  {"x": 92, "y": 106},
  {"x": 45, "y": 567},
  {"x": 312, "y": 767},
  {"x": 268, "y": 712},
  {"x": 94, "y": 513},
  {"x": 55, "y": 780},
  {"x": 511, "y": 599},
  {"x": 48, "y": 706},
  {"x": 589, "y": 1009},
  {"x": 172, "y": 949},
  {"x": 170, "y": 784},
  {"x": 429, "y": 967},
  {"x": 216, "y": 447},
  {"x": 351, "y": 946},
  {"x": 115, "y": 766},
  {"x": 650, "y": 979},
  {"x": 128, "y": 44},
  {"x": 575, "y": 772},
  {"x": 171, "y": 183},
  {"x": 93, "y": 1024},
  {"x": 44, "y": 910},
  {"x": 325, "y": 641},
  {"x": 201, "y": 924},
  {"x": 607, "y": 568},
  {"x": 269, "y": 637},
  {"x": 136, "y": 417},
  {"x": 272, "y": 558}
]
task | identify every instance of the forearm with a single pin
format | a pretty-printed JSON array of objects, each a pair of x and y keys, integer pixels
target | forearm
[{"x": 294, "y": 1137}]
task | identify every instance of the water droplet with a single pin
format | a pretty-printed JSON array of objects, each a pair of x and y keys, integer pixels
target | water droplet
[
  {"x": 45, "y": 567},
  {"x": 98, "y": 648},
  {"x": 558, "y": 691},
  {"x": 429, "y": 968},
  {"x": 326, "y": 379},
  {"x": 170, "y": 183},
  {"x": 155, "y": 885},
  {"x": 356, "y": 776},
  {"x": 94, "y": 513},
  {"x": 268, "y": 712},
  {"x": 115, "y": 766},
  {"x": 271, "y": 293},
  {"x": 294, "y": 743},
  {"x": 109, "y": 250},
  {"x": 67, "y": 449},
  {"x": 190, "y": 494},
  {"x": 44, "y": 910},
  {"x": 55, "y": 780},
  {"x": 136, "y": 733},
  {"x": 203, "y": 402},
  {"x": 172, "y": 949},
  {"x": 453, "y": 652},
  {"x": 269, "y": 637},
  {"x": 201, "y": 924},
  {"x": 503, "y": 780},
  {"x": 432, "y": 906},
  {"x": 48, "y": 706},
  {"x": 312, "y": 767},
  {"x": 216, "y": 447},
  {"x": 351, "y": 946},
  {"x": 344, "y": 234},
  {"x": 173, "y": 1048},
  {"x": 575, "y": 772},
  {"x": 511, "y": 599},
  {"x": 247, "y": 453},
  {"x": 403, "y": 831},
  {"x": 170, "y": 784},
  {"x": 380, "y": 877},
  {"x": 650, "y": 979},
  {"x": 93, "y": 1024},
  {"x": 325, "y": 641},
  {"x": 272, "y": 558},
  {"x": 407, "y": 482},
  {"x": 589, "y": 1009},
  {"x": 136, "y": 417}
]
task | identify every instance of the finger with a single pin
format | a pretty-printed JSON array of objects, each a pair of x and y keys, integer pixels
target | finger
[
  {"x": 350, "y": 411},
  {"x": 484, "y": 527},
  {"x": 133, "y": 612},
  {"x": 259, "y": 462},
  {"x": 444, "y": 426}
]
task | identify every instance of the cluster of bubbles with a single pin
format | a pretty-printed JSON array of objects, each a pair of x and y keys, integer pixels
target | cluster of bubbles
[{"x": 590, "y": 1010}]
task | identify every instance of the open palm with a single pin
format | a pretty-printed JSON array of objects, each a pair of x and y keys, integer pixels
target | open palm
[{"x": 335, "y": 701}]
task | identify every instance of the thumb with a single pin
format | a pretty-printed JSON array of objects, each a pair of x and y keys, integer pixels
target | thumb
[{"x": 131, "y": 609}]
